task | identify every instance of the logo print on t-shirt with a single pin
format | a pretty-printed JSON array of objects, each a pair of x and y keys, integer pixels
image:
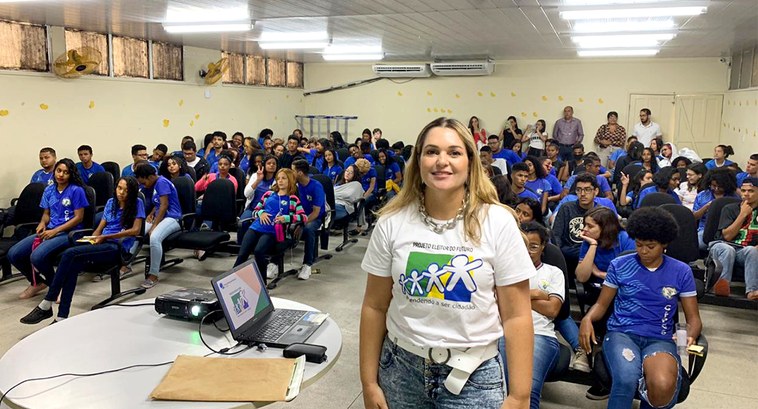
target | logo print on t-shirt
[
  {"x": 441, "y": 276},
  {"x": 668, "y": 292},
  {"x": 66, "y": 202},
  {"x": 576, "y": 225}
]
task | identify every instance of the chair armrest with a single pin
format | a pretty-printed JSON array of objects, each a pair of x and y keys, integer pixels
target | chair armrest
[
  {"x": 128, "y": 257},
  {"x": 14, "y": 201},
  {"x": 77, "y": 234},
  {"x": 183, "y": 219}
]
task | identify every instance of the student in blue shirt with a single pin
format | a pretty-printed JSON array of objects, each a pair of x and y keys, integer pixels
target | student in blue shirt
[
  {"x": 122, "y": 219},
  {"x": 313, "y": 199},
  {"x": 174, "y": 167},
  {"x": 163, "y": 219},
  {"x": 720, "y": 155},
  {"x": 219, "y": 144},
  {"x": 47, "y": 159},
  {"x": 537, "y": 181},
  {"x": 355, "y": 154},
  {"x": 665, "y": 181},
  {"x": 86, "y": 166},
  {"x": 63, "y": 205},
  {"x": 332, "y": 166},
  {"x": 556, "y": 189},
  {"x": 519, "y": 178},
  {"x": 391, "y": 168},
  {"x": 604, "y": 240},
  {"x": 592, "y": 166},
  {"x": 158, "y": 154},
  {"x": 644, "y": 289},
  {"x": 139, "y": 154},
  {"x": 249, "y": 154},
  {"x": 499, "y": 153},
  {"x": 264, "y": 134},
  {"x": 206, "y": 147},
  {"x": 751, "y": 169}
]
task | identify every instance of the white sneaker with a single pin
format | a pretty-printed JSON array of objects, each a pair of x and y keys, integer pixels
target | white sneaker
[
  {"x": 272, "y": 271},
  {"x": 305, "y": 272},
  {"x": 581, "y": 363}
]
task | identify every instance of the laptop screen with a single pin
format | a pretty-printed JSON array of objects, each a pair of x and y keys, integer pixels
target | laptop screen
[{"x": 243, "y": 296}]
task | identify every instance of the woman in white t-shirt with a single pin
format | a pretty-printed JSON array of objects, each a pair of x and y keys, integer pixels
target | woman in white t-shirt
[
  {"x": 448, "y": 276},
  {"x": 537, "y": 138}
]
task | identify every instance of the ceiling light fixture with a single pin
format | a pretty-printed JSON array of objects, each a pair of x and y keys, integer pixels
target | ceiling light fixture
[
  {"x": 622, "y": 26},
  {"x": 641, "y": 12},
  {"x": 275, "y": 36},
  {"x": 353, "y": 57},
  {"x": 623, "y": 40},
  {"x": 619, "y": 53},
  {"x": 292, "y": 45},
  {"x": 216, "y": 27}
]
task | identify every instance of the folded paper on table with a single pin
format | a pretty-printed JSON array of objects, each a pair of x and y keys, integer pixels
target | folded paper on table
[{"x": 193, "y": 378}]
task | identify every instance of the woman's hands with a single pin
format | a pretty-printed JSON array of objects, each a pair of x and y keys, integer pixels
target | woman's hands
[
  {"x": 588, "y": 239},
  {"x": 280, "y": 219},
  {"x": 265, "y": 218},
  {"x": 48, "y": 234},
  {"x": 624, "y": 179}
]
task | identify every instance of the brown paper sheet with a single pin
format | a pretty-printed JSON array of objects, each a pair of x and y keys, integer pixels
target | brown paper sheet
[{"x": 194, "y": 378}]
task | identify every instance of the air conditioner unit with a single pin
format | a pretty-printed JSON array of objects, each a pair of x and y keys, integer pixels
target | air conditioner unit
[
  {"x": 402, "y": 71},
  {"x": 456, "y": 68}
]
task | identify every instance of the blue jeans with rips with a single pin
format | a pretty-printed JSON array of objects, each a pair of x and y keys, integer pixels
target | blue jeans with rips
[
  {"x": 624, "y": 354},
  {"x": 411, "y": 382}
]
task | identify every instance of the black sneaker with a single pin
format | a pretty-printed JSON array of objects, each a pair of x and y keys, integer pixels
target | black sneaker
[
  {"x": 37, "y": 315},
  {"x": 597, "y": 392}
]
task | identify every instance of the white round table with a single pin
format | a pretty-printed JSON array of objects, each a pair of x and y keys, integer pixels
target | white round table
[{"x": 115, "y": 337}]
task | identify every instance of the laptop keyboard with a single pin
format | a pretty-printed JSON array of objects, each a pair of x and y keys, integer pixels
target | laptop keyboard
[{"x": 278, "y": 325}]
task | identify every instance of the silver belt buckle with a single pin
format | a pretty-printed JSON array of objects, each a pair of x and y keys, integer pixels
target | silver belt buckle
[{"x": 449, "y": 354}]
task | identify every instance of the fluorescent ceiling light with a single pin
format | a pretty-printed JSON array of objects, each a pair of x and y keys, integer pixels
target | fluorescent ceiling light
[
  {"x": 354, "y": 57},
  {"x": 624, "y": 40},
  {"x": 207, "y": 27},
  {"x": 632, "y": 13},
  {"x": 179, "y": 14},
  {"x": 605, "y": 2},
  {"x": 618, "y": 53},
  {"x": 620, "y": 26},
  {"x": 271, "y": 36},
  {"x": 287, "y": 45}
]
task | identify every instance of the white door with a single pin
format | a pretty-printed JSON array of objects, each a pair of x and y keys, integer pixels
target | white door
[
  {"x": 698, "y": 122},
  {"x": 661, "y": 107}
]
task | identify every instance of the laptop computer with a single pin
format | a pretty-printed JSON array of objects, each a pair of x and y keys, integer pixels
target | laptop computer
[{"x": 252, "y": 317}]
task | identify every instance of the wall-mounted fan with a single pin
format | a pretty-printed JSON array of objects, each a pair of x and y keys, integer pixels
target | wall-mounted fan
[
  {"x": 77, "y": 62},
  {"x": 215, "y": 71}
]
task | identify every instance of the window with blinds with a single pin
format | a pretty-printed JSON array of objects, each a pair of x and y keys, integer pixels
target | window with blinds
[
  {"x": 78, "y": 39},
  {"x": 294, "y": 74},
  {"x": 168, "y": 62},
  {"x": 236, "y": 72},
  {"x": 24, "y": 47},
  {"x": 130, "y": 57}
]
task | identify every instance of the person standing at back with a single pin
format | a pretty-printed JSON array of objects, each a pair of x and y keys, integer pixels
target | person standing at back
[
  {"x": 609, "y": 138},
  {"x": 567, "y": 132},
  {"x": 646, "y": 130}
]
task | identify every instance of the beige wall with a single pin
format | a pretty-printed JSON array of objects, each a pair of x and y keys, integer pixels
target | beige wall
[
  {"x": 739, "y": 126},
  {"x": 527, "y": 89},
  {"x": 109, "y": 114}
]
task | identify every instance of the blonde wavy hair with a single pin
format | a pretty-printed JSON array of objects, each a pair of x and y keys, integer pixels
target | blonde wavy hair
[
  {"x": 291, "y": 181},
  {"x": 481, "y": 191}
]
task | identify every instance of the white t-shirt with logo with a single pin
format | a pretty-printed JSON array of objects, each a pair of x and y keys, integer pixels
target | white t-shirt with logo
[
  {"x": 549, "y": 279},
  {"x": 645, "y": 134},
  {"x": 443, "y": 292}
]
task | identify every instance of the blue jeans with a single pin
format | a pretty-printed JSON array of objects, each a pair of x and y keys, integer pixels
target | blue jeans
[
  {"x": 72, "y": 262},
  {"x": 745, "y": 256},
  {"x": 546, "y": 353},
  {"x": 43, "y": 257},
  {"x": 339, "y": 212},
  {"x": 411, "y": 382},
  {"x": 165, "y": 228},
  {"x": 260, "y": 245},
  {"x": 700, "y": 244},
  {"x": 569, "y": 331},
  {"x": 624, "y": 354},
  {"x": 310, "y": 230}
]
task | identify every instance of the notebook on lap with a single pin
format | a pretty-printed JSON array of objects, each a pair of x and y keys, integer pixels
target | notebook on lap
[{"x": 252, "y": 317}]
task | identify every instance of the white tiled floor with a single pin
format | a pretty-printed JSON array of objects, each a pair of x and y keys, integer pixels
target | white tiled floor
[{"x": 728, "y": 380}]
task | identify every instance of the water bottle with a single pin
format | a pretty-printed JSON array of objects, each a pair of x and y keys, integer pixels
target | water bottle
[{"x": 681, "y": 339}]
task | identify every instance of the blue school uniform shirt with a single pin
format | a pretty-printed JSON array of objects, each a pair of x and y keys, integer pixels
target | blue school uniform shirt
[
  {"x": 507, "y": 154},
  {"x": 262, "y": 188},
  {"x": 617, "y": 154},
  {"x": 711, "y": 164},
  {"x": 164, "y": 187},
  {"x": 212, "y": 157},
  {"x": 555, "y": 184},
  {"x": 366, "y": 180},
  {"x": 741, "y": 178},
  {"x": 311, "y": 195},
  {"x": 599, "y": 201},
  {"x": 113, "y": 221},
  {"x": 351, "y": 160},
  {"x": 63, "y": 204},
  {"x": 276, "y": 205},
  {"x": 528, "y": 193},
  {"x": 646, "y": 301},
  {"x": 155, "y": 163},
  {"x": 603, "y": 257},
  {"x": 702, "y": 199},
  {"x": 86, "y": 173},
  {"x": 601, "y": 181},
  {"x": 538, "y": 186},
  {"x": 128, "y": 170},
  {"x": 244, "y": 164},
  {"x": 391, "y": 171},
  {"x": 41, "y": 176},
  {"x": 332, "y": 171},
  {"x": 652, "y": 189}
]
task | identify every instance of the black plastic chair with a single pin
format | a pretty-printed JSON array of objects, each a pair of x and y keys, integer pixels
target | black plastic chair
[
  {"x": 713, "y": 216},
  {"x": 239, "y": 195},
  {"x": 26, "y": 218},
  {"x": 113, "y": 168},
  {"x": 343, "y": 154},
  {"x": 656, "y": 199},
  {"x": 344, "y": 224},
  {"x": 103, "y": 183}
]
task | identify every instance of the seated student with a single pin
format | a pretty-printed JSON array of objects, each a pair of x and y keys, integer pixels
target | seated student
[
  {"x": 519, "y": 177},
  {"x": 666, "y": 155},
  {"x": 633, "y": 156},
  {"x": 184, "y": 139},
  {"x": 485, "y": 154},
  {"x": 162, "y": 220},
  {"x": 291, "y": 154},
  {"x": 122, "y": 217},
  {"x": 86, "y": 166},
  {"x": 738, "y": 230},
  {"x": 355, "y": 153},
  {"x": 207, "y": 146},
  {"x": 367, "y": 178},
  {"x": 720, "y": 155},
  {"x": 223, "y": 163},
  {"x": 278, "y": 150},
  {"x": 504, "y": 191},
  {"x": 263, "y": 134},
  {"x": 139, "y": 154},
  {"x": 236, "y": 143},
  {"x": 366, "y": 136},
  {"x": 689, "y": 189},
  {"x": 173, "y": 167},
  {"x": 681, "y": 162},
  {"x": 201, "y": 166},
  {"x": 644, "y": 289},
  {"x": 664, "y": 181},
  {"x": 260, "y": 178},
  {"x": 751, "y": 169},
  {"x": 536, "y": 181},
  {"x": 47, "y": 161},
  {"x": 397, "y": 147},
  {"x": 332, "y": 166},
  {"x": 158, "y": 154},
  {"x": 560, "y": 169},
  {"x": 529, "y": 210},
  {"x": 556, "y": 189},
  {"x": 391, "y": 170},
  {"x": 569, "y": 219},
  {"x": 630, "y": 190},
  {"x": 516, "y": 148},
  {"x": 547, "y": 289},
  {"x": 63, "y": 205},
  {"x": 218, "y": 144},
  {"x": 229, "y": 153},
  {"x": 592, "y": 166},
  {"x": 648, "y": 160},
  {"x": 618, "y": 154},
  {"x": 499, "y": 153},
  {"x": 315, "y": 155},
  {"x": 347, "y": 192},
  {"x": 572, "y": 197},
  {"x": 577, "y": 158},
  {"x": 313, "y": 198},
  {"x": 718, "y": 183},
  {"x": 279, "y": 205},
  {"x": 247, "y": 155},
  {"x": 268, "y": 146}
]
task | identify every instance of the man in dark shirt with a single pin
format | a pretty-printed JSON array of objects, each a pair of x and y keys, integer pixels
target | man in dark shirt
[
  {"x": 292, "y": 153},
  {"x": 569, "y": 221},
  {"x": 201, "y": 166},
  {"x": 738, "y": 228}
]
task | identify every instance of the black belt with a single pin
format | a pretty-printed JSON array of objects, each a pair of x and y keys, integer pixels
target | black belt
[{"x": 565, "y": 144}]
